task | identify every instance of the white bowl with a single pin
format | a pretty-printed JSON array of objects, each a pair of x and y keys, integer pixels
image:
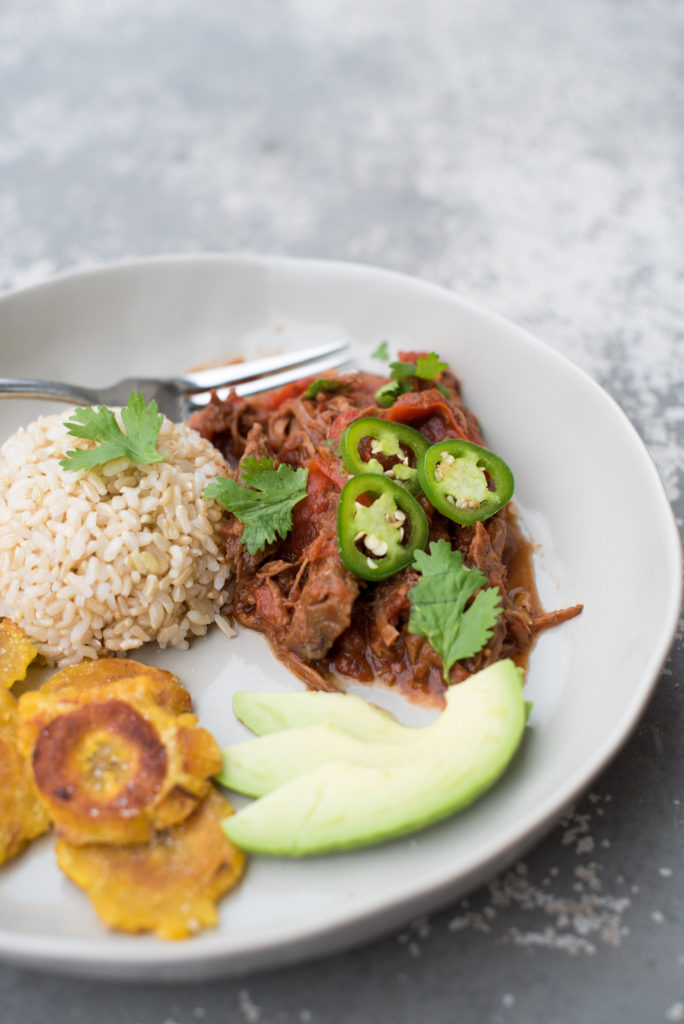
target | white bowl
[{"x": 589, "y": 495}]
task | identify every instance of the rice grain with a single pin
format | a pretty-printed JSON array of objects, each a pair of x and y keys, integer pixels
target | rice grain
[{"x": 108, "y": 559}]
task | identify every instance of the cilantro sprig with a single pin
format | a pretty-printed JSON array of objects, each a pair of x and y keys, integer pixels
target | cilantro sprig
[
  {"x": 138, "y": 444},
  {"x": 428, "y": 367},
  {"x": 264, "y": 503},
  {"x": 331, "y": 384},
  {"x": 451, "y": 606}
]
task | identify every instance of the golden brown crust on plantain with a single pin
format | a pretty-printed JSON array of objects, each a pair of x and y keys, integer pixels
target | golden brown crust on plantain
[
  {"x": 22, "y": 816},
  {"x": 16, "y": 653},
  {"x": 164, "y": 687},
  {"x": 110, "y": 764},
  {"x": 168, "y": 886}
]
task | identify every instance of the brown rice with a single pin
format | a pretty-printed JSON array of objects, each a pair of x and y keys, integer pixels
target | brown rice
[{"x": 109, "y": 559}]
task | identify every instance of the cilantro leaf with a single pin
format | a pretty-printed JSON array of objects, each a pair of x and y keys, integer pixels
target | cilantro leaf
[
  {"x": 440, "y": 608},
  {"x": 325, "y": 384},
  {"x": 402, "y": 371},
  {"x": 399, "y": 384},
  {"x": 387, "y": 395},
  {"x": 138, "y": 444},
  {"x": 427, "y": 367},
  {"x": 266, "y": 501},
  {"x": 381, "y": 352}
]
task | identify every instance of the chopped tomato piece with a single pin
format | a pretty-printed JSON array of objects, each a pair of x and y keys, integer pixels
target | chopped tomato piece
[
  {"x": 427, "y": 412},
  {"x": 292, "y": 390}
]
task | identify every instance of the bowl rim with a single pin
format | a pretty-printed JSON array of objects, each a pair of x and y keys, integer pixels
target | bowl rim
[{"x": 210, "y": 954}]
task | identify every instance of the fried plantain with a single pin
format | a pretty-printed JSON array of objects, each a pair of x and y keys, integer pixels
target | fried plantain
[
  {"x": 164, "y": 687},
  {"x": 168, "y": 886},
  {"x": 16, "y": 653},
  {"x": 22, "y": 815},
  {"x": 110, "y": 764}
]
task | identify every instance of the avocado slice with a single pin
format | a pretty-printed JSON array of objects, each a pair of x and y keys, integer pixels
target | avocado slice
[
  {"x": 343, "y": 727},
  {"x": 339, "y": 804},
  {"x": 259, "y": 766},
  {"x": 266, "y": 713}
]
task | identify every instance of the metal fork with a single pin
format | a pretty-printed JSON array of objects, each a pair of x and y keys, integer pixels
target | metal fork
[{"x": 178, "y": 397}]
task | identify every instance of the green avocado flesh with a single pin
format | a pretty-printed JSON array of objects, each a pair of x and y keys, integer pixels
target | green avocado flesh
[
  {"x": 329, "y": 726},
  {"x": 259, "y": 766},
  {"x": 266, "y": 713},
  {"x": 385, "y": 789}
]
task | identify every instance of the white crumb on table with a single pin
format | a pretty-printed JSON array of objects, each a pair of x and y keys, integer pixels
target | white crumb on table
[{"x": 249, "y": 1010}]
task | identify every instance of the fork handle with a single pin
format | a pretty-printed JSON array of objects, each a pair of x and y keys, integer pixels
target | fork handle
[{"x": 26, "y": 388}]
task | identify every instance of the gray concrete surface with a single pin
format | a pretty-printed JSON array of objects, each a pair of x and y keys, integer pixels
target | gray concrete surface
[{"x": 527, "y": 154}]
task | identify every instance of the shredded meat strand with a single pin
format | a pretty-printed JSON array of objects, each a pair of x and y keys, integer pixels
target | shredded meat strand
[{"x": 322, "y": 621}]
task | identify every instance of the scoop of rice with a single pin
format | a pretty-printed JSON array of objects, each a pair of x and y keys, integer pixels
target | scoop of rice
[{"x": 109, "y": 559}]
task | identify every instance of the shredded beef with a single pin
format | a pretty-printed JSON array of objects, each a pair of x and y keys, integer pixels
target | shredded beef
[
  {"x": 321, "y": 620},
  {"x": 323, "y": 610}
]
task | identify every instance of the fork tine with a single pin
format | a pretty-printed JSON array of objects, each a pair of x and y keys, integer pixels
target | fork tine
[
  {"x": 221, "y": 376},
  {"x": 177, "y": 397},
  {"x": 273, "y": 380}
]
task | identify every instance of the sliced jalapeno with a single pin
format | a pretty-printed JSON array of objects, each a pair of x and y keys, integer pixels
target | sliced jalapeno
[
  {"x": 464, "y": 481},
  {"x": 379, "y": 526},
  {"x": 374, "y": 445}
]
